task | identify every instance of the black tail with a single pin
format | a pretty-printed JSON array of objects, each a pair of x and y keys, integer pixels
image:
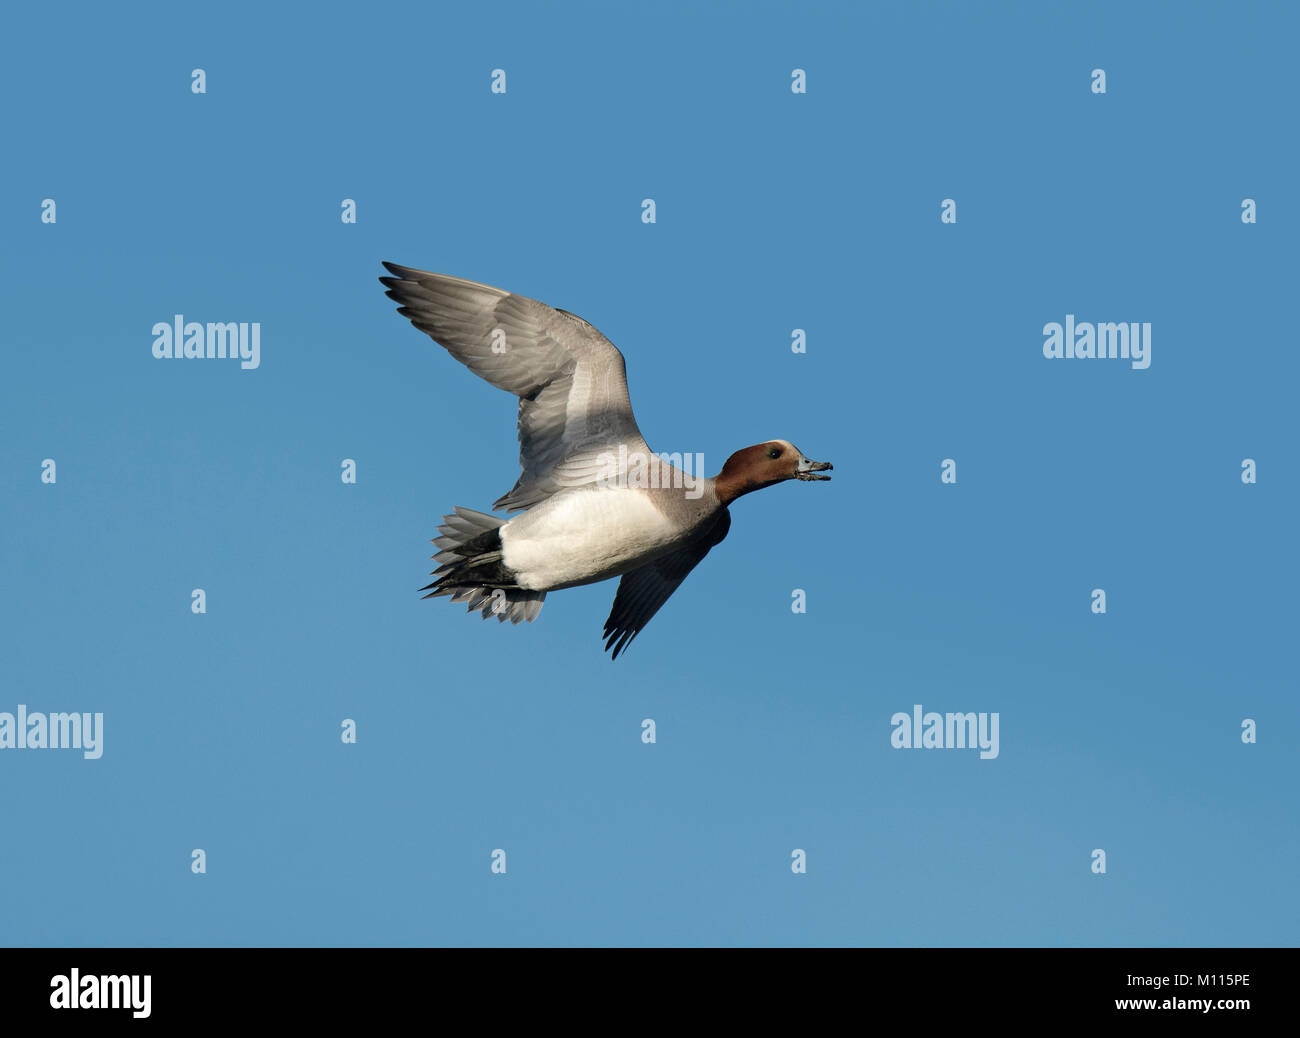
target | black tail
[{"x": 473, "y": 571}]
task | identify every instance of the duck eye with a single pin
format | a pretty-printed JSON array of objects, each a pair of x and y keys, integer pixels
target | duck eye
[{"x": 775, "y": 452}]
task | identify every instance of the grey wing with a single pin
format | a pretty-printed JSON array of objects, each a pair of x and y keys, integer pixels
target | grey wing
[
  {"x": 642, "y": 592},
  {"x": 571, "y": 381}
]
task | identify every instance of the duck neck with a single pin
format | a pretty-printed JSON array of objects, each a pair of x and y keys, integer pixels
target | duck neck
[{"x": 731, "y": 485}]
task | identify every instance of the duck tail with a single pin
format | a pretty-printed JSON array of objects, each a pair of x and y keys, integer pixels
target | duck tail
[{"x": 473, "y": 571}]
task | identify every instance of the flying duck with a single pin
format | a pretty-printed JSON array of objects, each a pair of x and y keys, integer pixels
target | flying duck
[{"x": 596, "y": 502}]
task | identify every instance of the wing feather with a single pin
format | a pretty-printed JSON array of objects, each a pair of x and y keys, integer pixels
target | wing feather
[
  {"x": 571, "y": 381},
  {"x": 643, "y": 591}
]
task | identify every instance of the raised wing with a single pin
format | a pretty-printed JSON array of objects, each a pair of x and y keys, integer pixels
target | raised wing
[
  {"x": 644, "y": 590},
  {"x": 571, "y": 381}
]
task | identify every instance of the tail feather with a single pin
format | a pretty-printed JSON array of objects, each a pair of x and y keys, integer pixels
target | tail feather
[{"x": 473, "y": 571}]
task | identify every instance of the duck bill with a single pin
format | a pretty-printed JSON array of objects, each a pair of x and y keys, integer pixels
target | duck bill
[{"x": 808, "y": 469}]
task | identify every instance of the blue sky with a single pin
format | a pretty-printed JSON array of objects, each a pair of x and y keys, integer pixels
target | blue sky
[{"x": 775, "y": 211}]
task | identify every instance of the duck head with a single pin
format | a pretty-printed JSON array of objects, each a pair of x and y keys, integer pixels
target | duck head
[{"x": 762, "y": 465}]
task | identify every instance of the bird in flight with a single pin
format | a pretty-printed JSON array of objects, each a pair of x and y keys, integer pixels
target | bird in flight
[{"x": 594, "y": 501}]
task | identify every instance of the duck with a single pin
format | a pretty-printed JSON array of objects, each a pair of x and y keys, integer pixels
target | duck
[{"x": 592, "y": 501}]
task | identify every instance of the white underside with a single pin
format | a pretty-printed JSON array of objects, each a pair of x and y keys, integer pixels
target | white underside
[{"x": 582, "y": 536}]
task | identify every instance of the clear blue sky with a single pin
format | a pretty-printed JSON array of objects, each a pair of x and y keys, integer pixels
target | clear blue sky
[{"x": 775, "y": 212}]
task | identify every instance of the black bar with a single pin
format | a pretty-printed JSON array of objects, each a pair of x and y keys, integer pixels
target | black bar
[{"x": 335, "y": 987}]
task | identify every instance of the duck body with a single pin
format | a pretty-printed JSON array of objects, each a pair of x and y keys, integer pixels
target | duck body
[
  {"x": 587, "y": 534},
  {"x": 595, "y": 501}
]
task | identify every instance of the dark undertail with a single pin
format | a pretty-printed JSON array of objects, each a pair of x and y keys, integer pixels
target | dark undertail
[{"x": 473, "y": 570}]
